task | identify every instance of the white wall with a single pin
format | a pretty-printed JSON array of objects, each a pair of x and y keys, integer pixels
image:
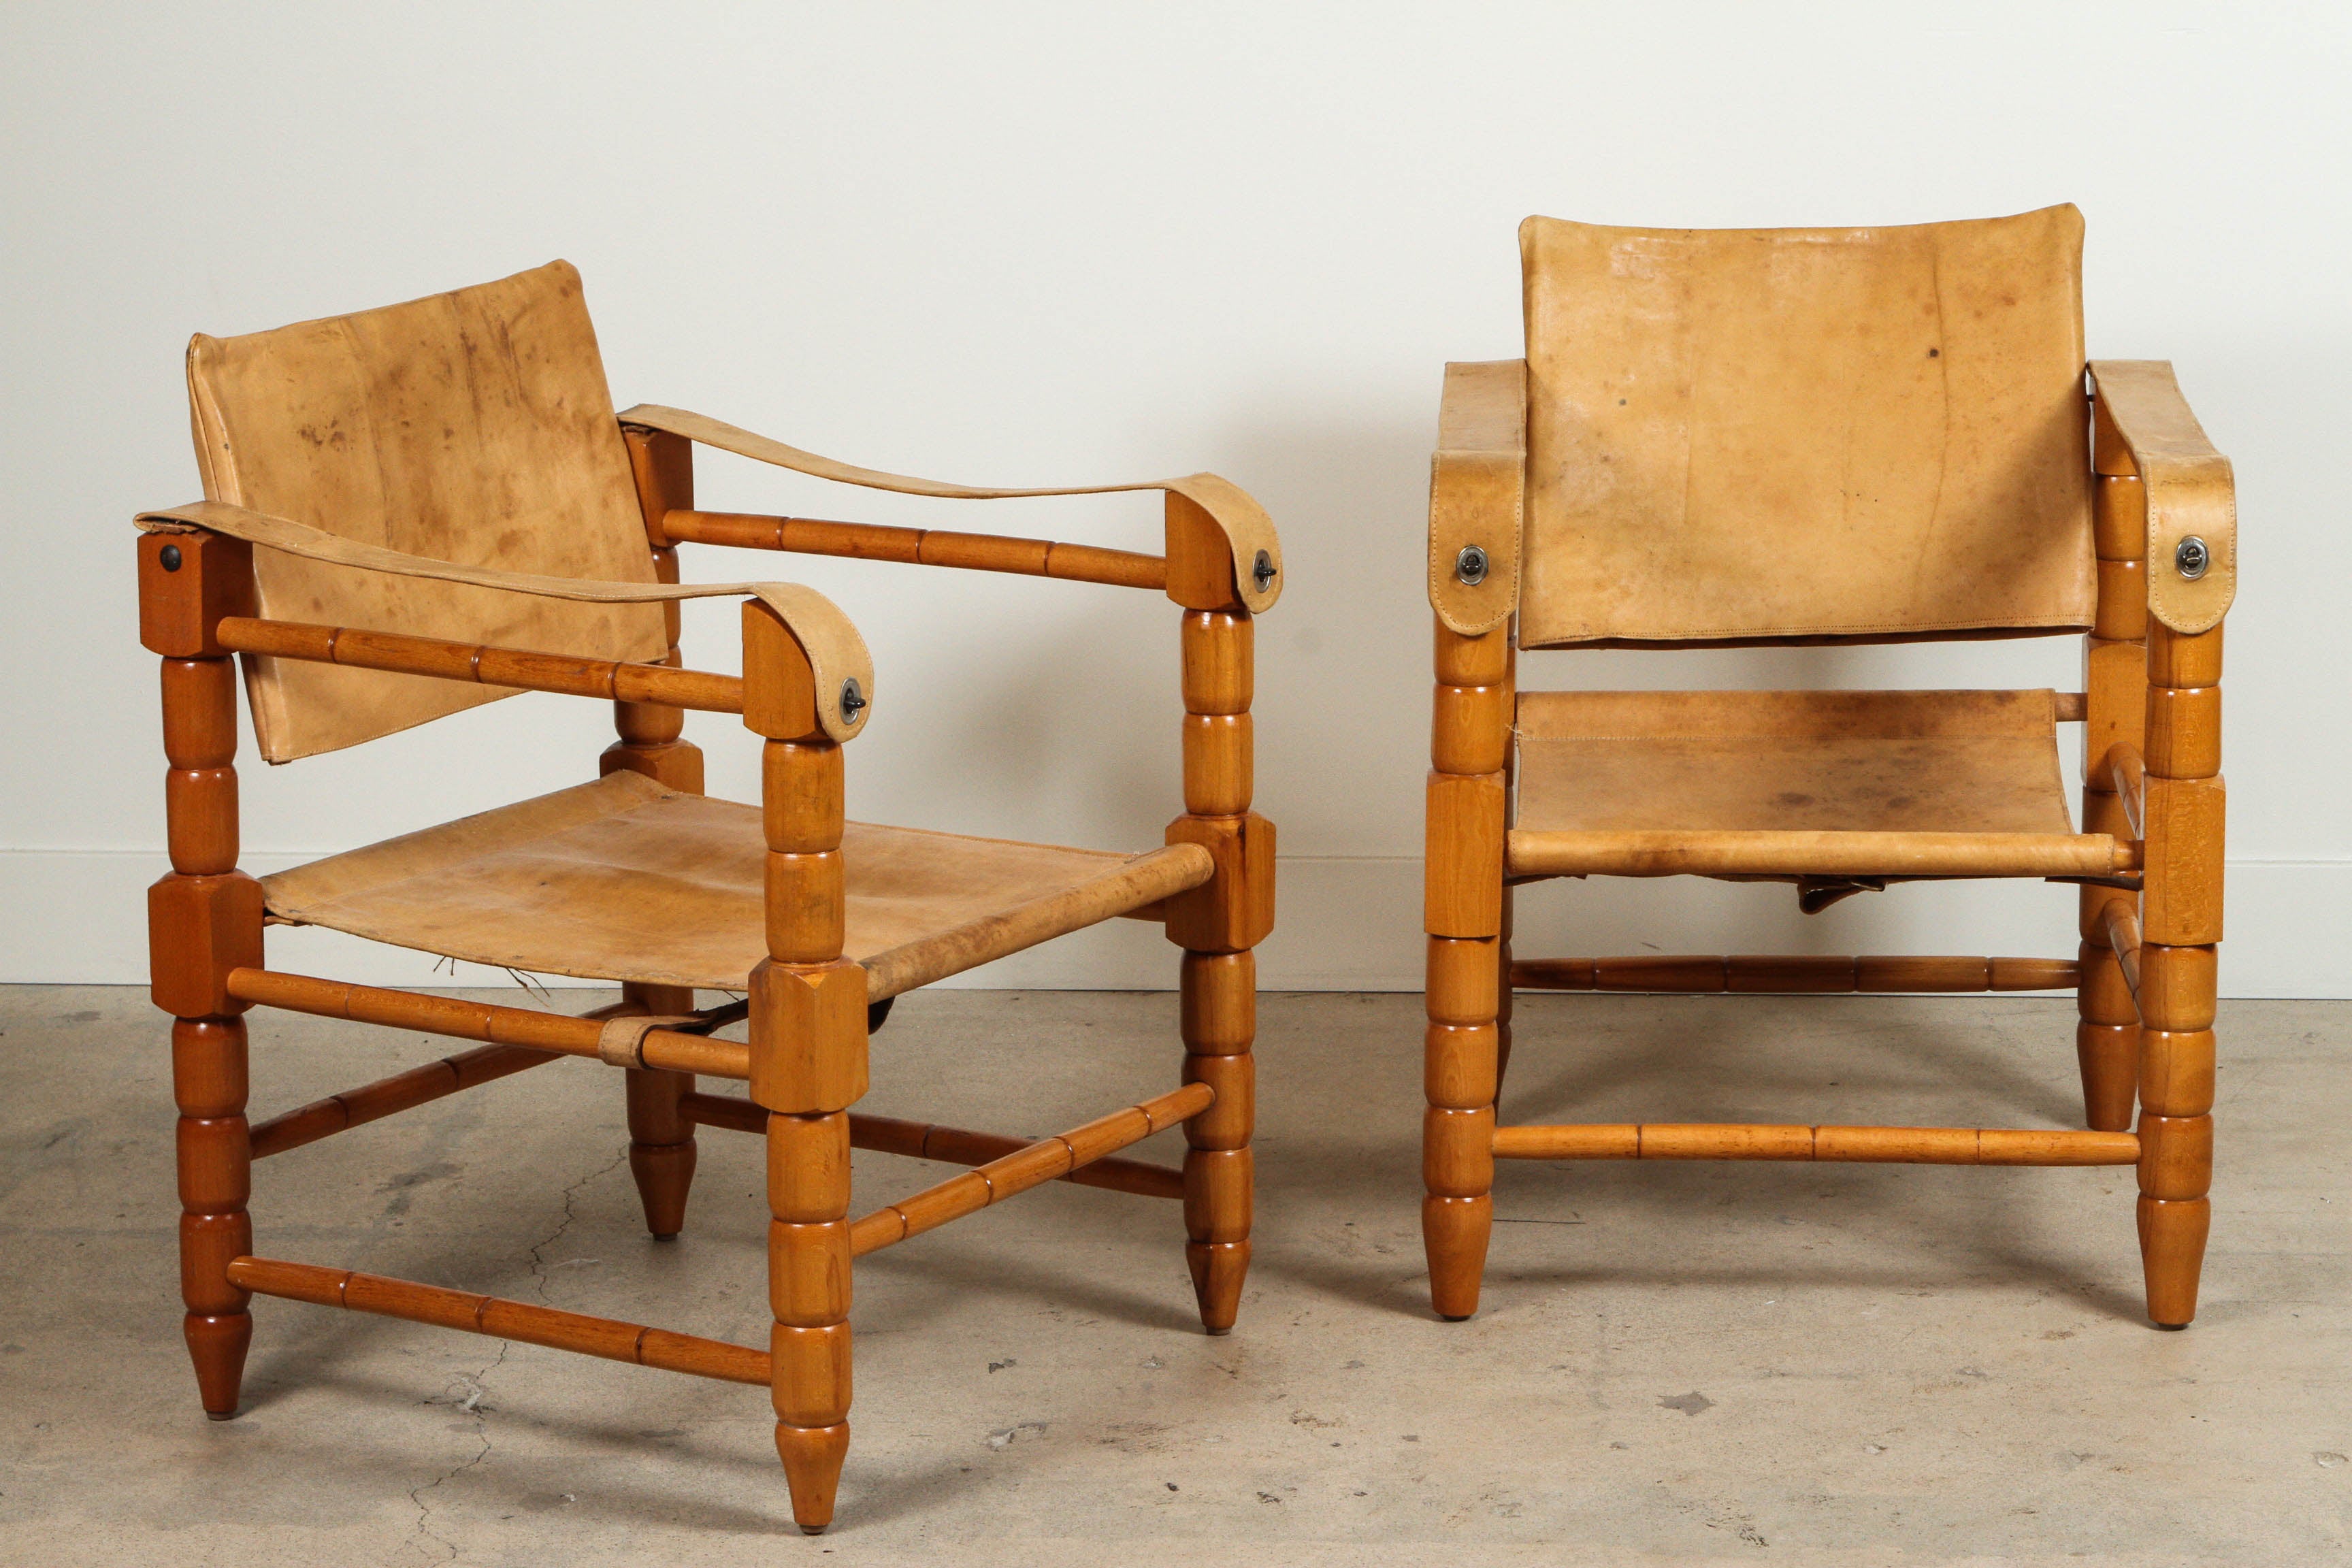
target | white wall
[{"x": 1029, "y": 244}]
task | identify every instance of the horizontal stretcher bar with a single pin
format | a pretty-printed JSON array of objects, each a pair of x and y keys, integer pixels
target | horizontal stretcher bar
[
  {"x": 1791, "y": 853},
  {"x": 1702, "y": 972},
  {"x": 565, "y": 1033},
  {"x": 949, "y": 1145},
  {"x": 406, "y": 654},
  {"x": 919, "y": 546},
  {"x": 1892, "y": 1145},
  {"x": 493, "y": 1315},
  {"x": 1033, "y": 1164},
  {"x": 402, "y": 1091}
]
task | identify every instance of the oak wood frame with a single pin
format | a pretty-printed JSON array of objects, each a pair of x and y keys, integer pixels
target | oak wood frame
[
  {"x": 2150, "y": 916},
  {"x": 805, "y": 1063}
]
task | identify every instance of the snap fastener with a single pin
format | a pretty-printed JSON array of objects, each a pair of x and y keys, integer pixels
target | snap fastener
[
  {"x": 2191, "y": 557},
  {"x": 170, "y": 556},
  {"x": 853, "y": 701},
  {"x": 1262, "y": 572},
  {"x": 1471, "y": 566}
]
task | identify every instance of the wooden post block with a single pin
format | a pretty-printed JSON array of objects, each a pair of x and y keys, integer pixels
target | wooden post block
[
  {"x": 1229, "y": 1121},
  {"x": 1219, "y": 661},
  {"x": 2115, "y": 683},
  {"x": 1470, "y": 728},
  {"x": 1200, "y": 561},
  {"x": 187, "y": 583},
  {"x": 199, "y": 712},
  {"x": 808, "y": 1274},
  {"x": 1462, "y": 894},
  {"x": 2175, "y": 1072},
  {"x": 2184, "y": 732},
  {"x": 1465, "y": 979},
  {"x": 215, "y": 1165},
  {"x": 802, "y": 788},
  {"x": 2186, "y": 824},
  {"x": 1484, "y": 660},
  {"x": 2176, "y": 1157},
  {"x": 2119, "y": 518},
  {"x": 812, "y": 1375},
  {"x": 808, "y": 1034},
  {"x": 1219, "y": 756},
  {"x": 2177, "y": 986},
  {"x": 2122, "y": 614},
  {"x": 208, "y": 1065},
  {"x": 2102, "y": 996},
  {"x": 1457, "y": 1150},
  {"x": 808, "y": 1167},
  {"x": 778, "y": 686},
  {"x": 1462, "y": 1065},
  {"x": 1235, "y": 907},
  {"x": 1217, "y": 1187},
  {"x": 200, "y": 812},
  {"x": 1217, "y": 997},
  {"x": 199, "y": 929},
  {"x": 207, "y": 1243},
  {"x": 662, "y": 464},
  {"x": 2182, "y": 658},
  {"x": 806, "y": 906}
]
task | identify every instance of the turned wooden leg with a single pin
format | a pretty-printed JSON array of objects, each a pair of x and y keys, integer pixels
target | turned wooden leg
[
  {"x": 1219, "y": 1002},
  {"x": 2107, "y": 1039},
  {"x": 661, "y": 1138},
  {"x": 2181, "y": 921},
  {"x": 808, "y": 1067},
  {"x": 2115, "y": 686},
  {"x": 1503, "y": 1005},
  {"x": 1465, "y": 913},
  {"x": 208, "y": 1080}
]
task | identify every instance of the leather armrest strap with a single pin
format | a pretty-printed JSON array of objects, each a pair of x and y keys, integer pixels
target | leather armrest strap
[
  {"x": 1247, "y": 529},
  {"x": 835, "y": 652},
  {"x": 1477, "y": 493},
  {"x": 2191, "y": 492}
]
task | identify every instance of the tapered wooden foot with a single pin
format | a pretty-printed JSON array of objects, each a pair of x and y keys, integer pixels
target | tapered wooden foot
[
  {"x": 1218, "y": 1270},
  {"x": 216, "y": 1343},
  {"x": 813, "y": 1457},
  {"x": 1455, "y": 1231},
  {"x": 2109, "y": 1055},
  {"x": 664, "y": 1172},
  {"x": 2172, "y": 1254}
]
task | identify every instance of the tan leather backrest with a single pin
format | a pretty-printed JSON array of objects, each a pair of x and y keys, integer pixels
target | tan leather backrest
[
  {"x": 472, "y": 427},
  {"x": 1750, "y": 434}
]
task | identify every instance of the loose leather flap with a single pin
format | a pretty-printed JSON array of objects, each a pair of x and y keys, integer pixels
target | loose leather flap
[
  {"x": 835, "y": 651},
  {"x": 1477, "y": 485},
  {"x": 1760, "y": 434},
  {"x": 2192, "y": 493},
  {"x": 1247, "y": 529},
  {"x": 472, "y": 427}
]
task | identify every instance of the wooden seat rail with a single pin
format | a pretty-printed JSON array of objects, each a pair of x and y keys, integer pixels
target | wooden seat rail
[
  {"x": 919, "y": 546},
  {"x": 1896, "y": 1145},
  {"x": 1736, "y": 972},
  {"x": 557, "y": 672},
  {"x": 564, "y": 1033},
  {"x": 1031, "y": 1165},
  {"x": 558, "y": 1330},
  {"x": 949, "y": 1145}
]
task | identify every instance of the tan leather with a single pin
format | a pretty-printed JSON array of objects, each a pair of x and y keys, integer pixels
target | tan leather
[
  {"x": 835, "y": 651},
  {"x": 1761, "y": 434},
  {"x": 1790, "y": 782},
  {"x": 471, "y": 426},
  {"x": 1478, "y": 484},
  {"x": 621, "y": 1043},
  {"x": 623, "y": 879},
  {"x": 1245, "y": 523},
  {"x": 2191, "y": 490}
]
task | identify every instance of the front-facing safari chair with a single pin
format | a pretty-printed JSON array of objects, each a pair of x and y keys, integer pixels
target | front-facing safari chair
[
  {"x": 1730, "y": 438},
  {"x": 415, "y": 510}
]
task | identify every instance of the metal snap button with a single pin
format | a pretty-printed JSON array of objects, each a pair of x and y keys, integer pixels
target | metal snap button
[
  {"x": 1471, "y": 566},
  {"x": 2191, "y": 557},
  {"x": 853, "y": 701},
  {"x": 1263, "y": 572}
]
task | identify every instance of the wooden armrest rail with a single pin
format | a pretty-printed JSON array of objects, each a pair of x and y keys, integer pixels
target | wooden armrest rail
[
  {"x": 919, "y": 546},
  {"x": 558, "y": 1330},
  {"x": 1895, "y": 1145},
  {"x": 1737, "y": 973},
  {"x": 2121, "y": 927},
  {"x": 1033, "y": 1164},
  {"x": 949, "y": 1145},
  {"x": 404, "y": 1091},
  {"x": 406, "y": 654},
  {"x": 2126, "y": 774},
  {"x": 565, "y": 1034}
]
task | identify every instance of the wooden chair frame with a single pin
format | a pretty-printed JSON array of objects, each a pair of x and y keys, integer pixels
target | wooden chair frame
[
  {"x": 809, "y": 1015},
  {"x": 2150, "y": 890}
]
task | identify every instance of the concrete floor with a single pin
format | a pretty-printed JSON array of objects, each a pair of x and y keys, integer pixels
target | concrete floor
[{"x": 1836, "y": 1365}]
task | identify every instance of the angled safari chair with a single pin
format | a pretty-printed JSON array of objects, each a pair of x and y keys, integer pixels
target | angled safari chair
[
  {"x": 1735, "y": 438},
  {"x": 415, "y": 510}
]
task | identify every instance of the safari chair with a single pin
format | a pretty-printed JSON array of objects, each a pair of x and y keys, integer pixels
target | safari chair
[
  {"x": 1742, "y": 439},
  {"x": 415, "y": 510}
]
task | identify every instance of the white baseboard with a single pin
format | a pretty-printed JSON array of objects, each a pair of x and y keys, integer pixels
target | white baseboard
[{"x": 1345, "y": 924}]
